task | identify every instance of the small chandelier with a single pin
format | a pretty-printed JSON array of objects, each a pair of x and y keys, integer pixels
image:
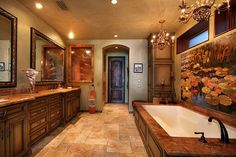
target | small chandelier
[
  {"x": 201, "y": 10},
  {"x": 162, "y": 38}
]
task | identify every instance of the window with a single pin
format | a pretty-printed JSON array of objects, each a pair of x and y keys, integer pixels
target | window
[
  {"x": 194, "y": 36},
  {"x": 225, "y": 20},
  {"x": 200, "y": 38}
]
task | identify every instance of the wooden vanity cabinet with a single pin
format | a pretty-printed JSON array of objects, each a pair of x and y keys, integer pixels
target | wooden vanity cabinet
[
  {"x": 45, "y": 115},
  {"x": 13, "y": 130},
  {"x": 55, "y": 111},
  {"x": 71, "y": 102},
  {"x": 38, "y": 119}
]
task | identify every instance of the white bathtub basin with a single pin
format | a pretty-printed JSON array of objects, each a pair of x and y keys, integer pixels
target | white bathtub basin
[{"x": 178, "y": 121}]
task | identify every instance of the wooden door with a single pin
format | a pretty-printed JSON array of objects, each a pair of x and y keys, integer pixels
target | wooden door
[
  {"x": 16, "y": 136},
  {"x": 116, "y": 80},
  {"x": 2, "y": 138}
]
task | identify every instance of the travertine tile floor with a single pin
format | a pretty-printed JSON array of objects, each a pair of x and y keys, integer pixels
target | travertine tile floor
[{"x": 110, "y": 133}]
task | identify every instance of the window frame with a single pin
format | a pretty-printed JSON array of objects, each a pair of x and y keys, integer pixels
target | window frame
[
  {"x": 183, "y": 40},
  {"x": 230, "y": 20}
]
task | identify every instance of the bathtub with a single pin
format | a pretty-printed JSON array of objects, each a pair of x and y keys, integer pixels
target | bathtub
[{"x": 179, "y": 121}]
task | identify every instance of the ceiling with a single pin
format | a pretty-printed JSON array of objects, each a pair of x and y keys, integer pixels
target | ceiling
[{"x": 99, "y": 19}]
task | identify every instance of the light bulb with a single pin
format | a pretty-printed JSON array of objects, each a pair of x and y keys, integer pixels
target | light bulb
[
  {"x": 71, "y": 35},
  {"x": 38, "y": 5},
  {"x": 113, "y": 1}
]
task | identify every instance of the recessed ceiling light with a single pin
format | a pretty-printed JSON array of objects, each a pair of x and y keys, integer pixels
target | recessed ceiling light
[
  {"x": 115, "y": 35},
  {"x": 71, "y": 35},
  {"x": 72, "y": 52},
  {"x": 116, "y": 47},
  {"x": 38, "y": 5},
  {"x": 113, "y": 1}
]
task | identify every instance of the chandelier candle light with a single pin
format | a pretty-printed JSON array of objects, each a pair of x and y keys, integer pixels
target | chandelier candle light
[
  {"x": 201, "y": 10},
  {"x": 162, "y": 38}
]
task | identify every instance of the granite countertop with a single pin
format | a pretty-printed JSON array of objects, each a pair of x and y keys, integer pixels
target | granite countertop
[
  {"x": 185, "y": 146},
  {"x": 19, "y": 98}
]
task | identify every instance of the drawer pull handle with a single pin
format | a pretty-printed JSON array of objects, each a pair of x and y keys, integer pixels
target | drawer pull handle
[{"x": 3, "y": 114}]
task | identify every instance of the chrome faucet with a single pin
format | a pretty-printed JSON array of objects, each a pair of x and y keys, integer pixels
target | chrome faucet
[{"x": 224, "y": 133}]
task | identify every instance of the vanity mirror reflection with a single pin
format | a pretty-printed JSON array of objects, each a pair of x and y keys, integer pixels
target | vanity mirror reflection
[
  {"x": 8, "y": 33},
  {"x": 48, "y": 58},
  {"x": 80, "y": 63}
]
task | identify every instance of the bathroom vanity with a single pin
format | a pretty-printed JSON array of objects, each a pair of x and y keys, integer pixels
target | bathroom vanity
[
  {"x": 27, "y": 118},
  {"x": 159, "y": 143}
]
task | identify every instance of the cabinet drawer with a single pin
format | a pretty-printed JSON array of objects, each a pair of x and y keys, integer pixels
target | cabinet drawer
[
  {"x": 54, "y": 124},
  {"x": 72, "y": 95},
  {"x": 55, "y": 105},
  {"x": 35, "y": 124},
  {"x": 54, "y": 114},
  {"x": 55, "y": 98},
  {"x": 13, "y": 111},
  {"x": 37, "y": 135},
  {"x": 36, "y": 112},
  {"x": 38, "y": 102}
]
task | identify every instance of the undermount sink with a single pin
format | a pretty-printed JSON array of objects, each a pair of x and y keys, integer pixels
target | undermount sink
[{"x": 3, "y": 100}]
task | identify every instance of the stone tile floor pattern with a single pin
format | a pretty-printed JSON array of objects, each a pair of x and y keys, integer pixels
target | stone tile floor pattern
[{"x": 110, "y": 133}]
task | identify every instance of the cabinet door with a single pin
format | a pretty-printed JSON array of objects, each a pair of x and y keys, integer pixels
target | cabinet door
[
  {"x": 75, "y": 106},
  {"x": 16, "y": 132},
  {"x": 68, "y": 106},
  {"x": 2, "y": 139}
]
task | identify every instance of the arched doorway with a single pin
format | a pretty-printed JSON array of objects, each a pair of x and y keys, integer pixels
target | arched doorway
[{"x": 116, "y": 74}]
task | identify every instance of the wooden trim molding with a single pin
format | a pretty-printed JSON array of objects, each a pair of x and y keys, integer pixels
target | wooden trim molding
[
  {"x": 13, "y": 81},
  {"x": 90, "y": 46},
  {"x": 33, "y": 34}
]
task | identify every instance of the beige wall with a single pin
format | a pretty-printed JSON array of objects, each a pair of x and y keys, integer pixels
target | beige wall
[
  {"x": 138, "y": 81},
  {"x": 26, "y": 19},
  {"x": 177, "y": 58}
]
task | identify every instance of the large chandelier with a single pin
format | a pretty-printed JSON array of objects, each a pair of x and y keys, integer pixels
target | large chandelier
[
  {"x": 201, "y": 10},
  {"x": 162, "y": 38}
]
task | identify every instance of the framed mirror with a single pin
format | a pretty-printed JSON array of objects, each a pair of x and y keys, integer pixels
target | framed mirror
[
  {"x": 8, "y": 49},
  {"x": 81, "y": 62},
  {"x": 48, "y": 58}
]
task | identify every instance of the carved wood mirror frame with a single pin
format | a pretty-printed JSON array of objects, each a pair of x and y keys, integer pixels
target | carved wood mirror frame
[
  {"x": 13, "y": 81},
  {"x": 83, "y": 70},
  {"x": 34, "y": 34}
]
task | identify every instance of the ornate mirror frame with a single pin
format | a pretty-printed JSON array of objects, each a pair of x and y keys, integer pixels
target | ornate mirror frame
[
  {"x": 87, "y": 70},
  {"x": 13, "y": 19},
  {"x": 33, "y": 34}
]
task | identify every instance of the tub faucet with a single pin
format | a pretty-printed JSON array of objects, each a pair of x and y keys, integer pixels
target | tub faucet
[{"x": 224, "y": 133}]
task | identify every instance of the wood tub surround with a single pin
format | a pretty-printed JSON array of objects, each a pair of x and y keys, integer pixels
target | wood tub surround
[
  {"x": 159, "y": 144},
  {"x": 27, "y": 118}
]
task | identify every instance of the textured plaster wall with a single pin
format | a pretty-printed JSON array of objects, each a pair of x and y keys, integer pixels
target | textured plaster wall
[
  {"x": 26, "y": 19},
  {"x": 177, "y": 59},
  {"x": 138, "y": 54}
]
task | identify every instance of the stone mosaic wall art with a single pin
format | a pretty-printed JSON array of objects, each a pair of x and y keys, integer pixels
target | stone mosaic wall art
[{"x": 208, "y": 75}]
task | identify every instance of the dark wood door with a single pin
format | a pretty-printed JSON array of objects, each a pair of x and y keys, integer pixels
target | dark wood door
[
  {"x": 116, "y": 80},
  {"x": 16, "y": 136}
]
